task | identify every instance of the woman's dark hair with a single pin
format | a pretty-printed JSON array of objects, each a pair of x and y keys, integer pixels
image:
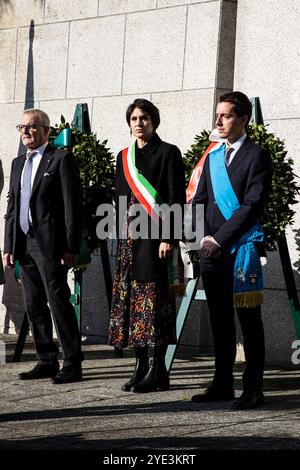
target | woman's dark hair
[
  {"x": 242, "y": 106},
  {"x": 148, "y": 108}
]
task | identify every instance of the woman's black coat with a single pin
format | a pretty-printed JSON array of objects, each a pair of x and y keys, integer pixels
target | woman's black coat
[{"x": 161, "y": 164}]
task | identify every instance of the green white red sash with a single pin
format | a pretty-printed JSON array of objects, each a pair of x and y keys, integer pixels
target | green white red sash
[
  {"x": 145, "y": 193},
  {"x": 149, "y": 198},
  {"x": 195, "y": 177}
]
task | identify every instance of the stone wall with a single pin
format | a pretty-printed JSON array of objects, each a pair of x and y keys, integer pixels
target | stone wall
[{"x": 178, "y": 53}]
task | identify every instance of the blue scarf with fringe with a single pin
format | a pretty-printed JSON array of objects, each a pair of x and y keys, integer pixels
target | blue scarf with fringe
[{"x": 248, "y": 278}]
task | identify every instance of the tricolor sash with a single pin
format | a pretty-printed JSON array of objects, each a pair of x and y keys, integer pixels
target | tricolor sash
[
  {"x": 248, "y": 280},
  {"x": 197, "y": 172},
  {"x": 150, "y": 200},
  {"x": 145, "y": 193}
]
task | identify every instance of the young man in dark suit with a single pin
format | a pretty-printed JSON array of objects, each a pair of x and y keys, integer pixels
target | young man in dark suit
[
  {"x": 42, "y": 232},
  {"x": 233, "y": 187}
]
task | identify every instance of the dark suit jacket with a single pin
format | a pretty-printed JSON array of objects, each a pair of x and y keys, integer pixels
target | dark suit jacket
[
  {"x": 55, "y": 206},
  {"x": 161, "y": 164},
  {"x": 250, "y": 176}
]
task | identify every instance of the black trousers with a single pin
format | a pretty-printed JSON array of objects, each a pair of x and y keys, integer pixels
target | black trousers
[
  {"x": 45, "y": 282},
  {"x": 218, "y": 287}
]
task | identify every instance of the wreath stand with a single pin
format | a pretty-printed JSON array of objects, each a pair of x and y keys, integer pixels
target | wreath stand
[{"x": 192, "y": 293}]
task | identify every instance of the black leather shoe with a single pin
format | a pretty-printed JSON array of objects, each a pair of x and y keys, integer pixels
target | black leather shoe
[
  {"x": 40, "y": 371},
  {"x": 214, "y": 394},
  {"x": 67, "y": 375},
  {"x": 249, "y": 400}
]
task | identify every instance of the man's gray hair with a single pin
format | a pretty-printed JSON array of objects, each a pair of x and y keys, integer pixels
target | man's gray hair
[{"x": 43, "y": 117}]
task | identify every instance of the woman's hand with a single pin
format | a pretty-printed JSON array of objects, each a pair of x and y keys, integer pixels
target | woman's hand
[
  {"x": 8, "y": 260},
  {"x": 165, "y": 250}
]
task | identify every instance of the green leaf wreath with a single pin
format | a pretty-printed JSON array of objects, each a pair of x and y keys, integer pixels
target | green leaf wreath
[
  {"x": 278, "y": 213},
  {"x": 97, "y": 174}
]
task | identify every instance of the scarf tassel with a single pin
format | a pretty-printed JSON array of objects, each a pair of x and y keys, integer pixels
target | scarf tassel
[{"x": 248, "y": 299}]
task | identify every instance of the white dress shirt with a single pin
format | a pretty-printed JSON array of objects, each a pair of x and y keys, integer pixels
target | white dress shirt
[
  {"x": 36, "y": 159},
  {"x": 236, "y": 146}
]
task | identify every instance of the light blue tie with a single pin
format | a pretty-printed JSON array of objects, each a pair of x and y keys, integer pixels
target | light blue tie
[{"x": 26, "y": 193}]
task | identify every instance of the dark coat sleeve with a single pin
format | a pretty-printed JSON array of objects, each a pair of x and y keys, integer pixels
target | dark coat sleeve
[
  {"x": 176, "y": 191},
  {"x": 1, "y": 177},
  {"x": 175, "y": 177},
  {"x": 9, "y": 216},
  {"x": 121, "y": 191},
  {"x": 71, "y": 193}
]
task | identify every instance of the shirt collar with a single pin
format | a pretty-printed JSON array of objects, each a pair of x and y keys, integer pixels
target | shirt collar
[
  {"x": 238, "y": 143},
  {"x": 40, "y": 150}
]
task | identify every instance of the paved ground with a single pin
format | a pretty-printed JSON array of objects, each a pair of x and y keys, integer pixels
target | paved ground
[{"x": 96, "y": 415}]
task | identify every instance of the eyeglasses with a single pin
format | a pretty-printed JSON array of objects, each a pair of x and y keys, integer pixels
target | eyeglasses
[{"x": 29, "y": 127}]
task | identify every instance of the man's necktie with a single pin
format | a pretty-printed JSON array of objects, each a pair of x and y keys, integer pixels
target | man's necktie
[
  {"x": 26, "y": 193},
  {"x": 227, "y": 155}
]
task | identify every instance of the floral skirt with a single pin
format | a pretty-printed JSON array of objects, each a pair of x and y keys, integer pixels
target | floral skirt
[{"x": 142, "y": 313}]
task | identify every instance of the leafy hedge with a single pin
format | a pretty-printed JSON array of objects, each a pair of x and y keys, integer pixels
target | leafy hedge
[
  {"x": 278, "y": 213},
  {"x": 97, "y": 174}
]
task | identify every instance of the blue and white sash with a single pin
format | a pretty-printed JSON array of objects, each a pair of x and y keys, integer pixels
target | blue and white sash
[{"x": 248, "y": 279}]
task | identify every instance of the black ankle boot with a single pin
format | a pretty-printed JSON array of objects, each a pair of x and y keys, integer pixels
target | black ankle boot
[
  {"x": 156, "y": 379},
  {"x": 141, "y": 369}
]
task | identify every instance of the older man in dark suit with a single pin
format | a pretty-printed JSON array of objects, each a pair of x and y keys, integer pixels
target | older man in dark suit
[
  {"x": 233, "y": 187},
  {"x": 42, "y": 232}
]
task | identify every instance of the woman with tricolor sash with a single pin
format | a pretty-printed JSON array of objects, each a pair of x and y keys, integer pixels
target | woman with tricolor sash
[
  {"x": 232, "y": 180},
  {"x": 149, "y": 176}
]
